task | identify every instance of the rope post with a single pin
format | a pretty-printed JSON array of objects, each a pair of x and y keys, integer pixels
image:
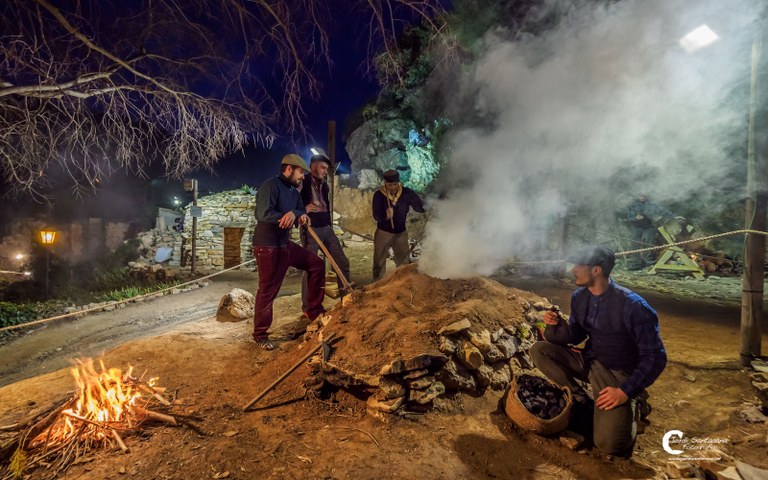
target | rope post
[{"x": 755, "y": 219}]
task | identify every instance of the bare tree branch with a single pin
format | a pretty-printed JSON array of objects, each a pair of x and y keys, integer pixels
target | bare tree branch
[{"x": 90, "y": 87}]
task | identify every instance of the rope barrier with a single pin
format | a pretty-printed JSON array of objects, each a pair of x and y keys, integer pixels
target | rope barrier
[
  {"x": 197, "y": 280},
  {"x": 120, "y": 302},
  {"x": 660, "y": 247}
]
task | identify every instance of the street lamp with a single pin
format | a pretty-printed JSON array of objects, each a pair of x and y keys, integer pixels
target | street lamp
[
  {"x": 755, "y": 210},
  {"x": 47, "y": 237}
]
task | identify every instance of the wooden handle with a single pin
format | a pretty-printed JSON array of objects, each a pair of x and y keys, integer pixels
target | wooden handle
[
  {"x": 290, "y": 371},
  {"x": 328, "y": 255}
]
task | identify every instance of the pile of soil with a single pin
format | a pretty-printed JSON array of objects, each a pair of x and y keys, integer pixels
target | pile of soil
[{"x": 399, "y": 316}]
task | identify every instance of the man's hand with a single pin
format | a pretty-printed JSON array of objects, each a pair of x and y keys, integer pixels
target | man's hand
[
  {"x": 390, "y": 213},
  {"x": 610, "y": 398},
  {"x": 287, "y": 220},
  {"x": 312, "y": 208},
  {"x": 304, "y": 220},
  {"x": 551, "y": 318}
]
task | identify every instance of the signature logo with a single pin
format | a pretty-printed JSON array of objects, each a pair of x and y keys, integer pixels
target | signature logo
[{"x": 667, "y": 440}]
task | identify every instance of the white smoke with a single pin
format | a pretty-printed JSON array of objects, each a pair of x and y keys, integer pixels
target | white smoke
[{"x": 609, "y": 90}]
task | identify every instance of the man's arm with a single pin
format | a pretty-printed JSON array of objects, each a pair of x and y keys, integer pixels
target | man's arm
[
  {"x": 643, "y": 324},
  {"x": 415, "y": 201},
  {"x": 563, "y": 334},
  {"x": 266, "y": 202},
  {"x": 379, "y": 207}
]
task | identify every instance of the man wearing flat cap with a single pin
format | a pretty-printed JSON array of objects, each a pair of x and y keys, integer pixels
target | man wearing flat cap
[
  {"x": 622, "y": 357},
  {"x": 278, "y": 208},
  {"x": 391, "y": 204},
  {"x": 315, "y": 194}
]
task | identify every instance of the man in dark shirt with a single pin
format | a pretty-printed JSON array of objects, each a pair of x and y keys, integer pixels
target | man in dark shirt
[
  {"x": 643, "y": 218},
  {"x": 278, "y": 209},
  {"x": 391, "y": 204},
  {"x": 314, "y": 193},
  {"x": 622, "y": 357}
]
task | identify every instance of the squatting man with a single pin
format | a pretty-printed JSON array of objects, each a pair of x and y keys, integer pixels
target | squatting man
[{"x": 622, "y": 357}]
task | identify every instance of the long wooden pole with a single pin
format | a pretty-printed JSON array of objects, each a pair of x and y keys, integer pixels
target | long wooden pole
[
  {"x": 288, "y": 372},
  {"x": 754, "y": 248},
  {"x": 329, "y": 257}
]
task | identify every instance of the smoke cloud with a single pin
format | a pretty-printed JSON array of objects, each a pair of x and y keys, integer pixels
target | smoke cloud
[{"x": 598, "y": 109}]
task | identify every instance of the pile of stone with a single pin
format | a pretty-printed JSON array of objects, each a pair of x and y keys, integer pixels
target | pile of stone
[
  {"x": 463, "y": 357},
  {"x": 151, "y": 273}
]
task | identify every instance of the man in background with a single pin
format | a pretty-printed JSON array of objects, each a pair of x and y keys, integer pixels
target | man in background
[
  {"x": 391, "y": 204},
  {"x": 314, "y": 193}
]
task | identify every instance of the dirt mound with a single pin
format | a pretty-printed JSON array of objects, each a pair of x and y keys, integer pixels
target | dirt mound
[{"x": 411, "y": 338}]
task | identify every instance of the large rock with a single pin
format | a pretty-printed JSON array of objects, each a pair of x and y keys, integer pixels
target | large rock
[
  {"x": 340, "y": 377},
  {"x": 455, "y": 327},
  {"x": 482, "y": 340},
  {"x": 456, "y": 377},
  {"x": 355, "y": 208},
  {"x": 507, "y": 345},
  {"x": 423, "y": 397},
  {"x": 418, "y": 362},
  {"x": 469, "y": 356},
  {"x": 496, "y": 376},
  {"x": 386, "y": 406},
  {"x": 379, "y": 144},
  {"x": 368, "y": 179},
  {"x": 390, "y": 388},
  {"x": 236, "y": 306}
]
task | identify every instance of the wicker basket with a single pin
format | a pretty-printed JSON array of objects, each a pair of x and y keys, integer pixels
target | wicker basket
[{"x": 517, "y": 412}]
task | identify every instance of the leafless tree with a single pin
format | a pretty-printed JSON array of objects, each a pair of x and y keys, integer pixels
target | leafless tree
[{"x": 88, "y": 87}]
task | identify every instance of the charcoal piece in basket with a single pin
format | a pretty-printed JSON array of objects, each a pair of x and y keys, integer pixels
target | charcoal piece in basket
[{"x": 540, "y": 397}]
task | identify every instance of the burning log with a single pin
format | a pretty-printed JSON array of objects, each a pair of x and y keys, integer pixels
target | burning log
[{"x": 107, "y": 402}]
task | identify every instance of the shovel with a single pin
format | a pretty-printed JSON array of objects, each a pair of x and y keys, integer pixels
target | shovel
[{"x": 328, "y": 255}]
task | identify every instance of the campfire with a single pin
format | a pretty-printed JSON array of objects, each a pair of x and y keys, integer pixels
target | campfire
[{"x": 108, "y": 404}]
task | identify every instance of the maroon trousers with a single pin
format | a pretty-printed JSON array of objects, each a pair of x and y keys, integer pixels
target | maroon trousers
[{"x": 273, "y": 263}]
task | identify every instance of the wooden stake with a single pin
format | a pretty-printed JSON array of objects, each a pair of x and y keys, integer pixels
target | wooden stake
[{"x": 289, "y": 372}]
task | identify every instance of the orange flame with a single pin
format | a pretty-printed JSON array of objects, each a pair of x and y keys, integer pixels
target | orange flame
[{"x": 104, "y": 399}]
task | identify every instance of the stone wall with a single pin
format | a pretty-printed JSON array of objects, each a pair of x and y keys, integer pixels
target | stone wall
[{"x": 231, "y": 209}]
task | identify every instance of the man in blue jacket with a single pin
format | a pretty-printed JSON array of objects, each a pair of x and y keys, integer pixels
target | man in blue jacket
[
  {"x": 622, "y": 357},
  {"x": 391, "y": 204},
  {"x": 278, "y": 208}
]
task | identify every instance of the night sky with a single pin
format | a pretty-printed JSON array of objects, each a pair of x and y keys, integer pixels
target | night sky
[{"x": 345, "y": 89}]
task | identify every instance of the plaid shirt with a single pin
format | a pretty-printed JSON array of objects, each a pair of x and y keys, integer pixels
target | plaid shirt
[{"x": 622, "y": 333}]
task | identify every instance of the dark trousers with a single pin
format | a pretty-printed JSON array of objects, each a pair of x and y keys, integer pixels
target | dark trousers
[
  {"x": 613, "y": 431},
  {"x": 331, "y": 242},
  {"x": 382, "y": 242},
  {"x": 273, "y": 263},
  {"x": 642, "y": 237}
]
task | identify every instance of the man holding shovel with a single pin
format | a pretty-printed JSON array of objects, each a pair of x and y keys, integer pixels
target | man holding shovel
[
  {"x": 391, "y": 204},
  {"x": 278, "y": 209},
  {"x": 314, "y": 193}
]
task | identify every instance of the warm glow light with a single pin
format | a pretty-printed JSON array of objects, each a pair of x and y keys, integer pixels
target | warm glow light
[
  {"x": 47, "y": 236},
  {"x": 19, "y": 256},
  {"x": 26, "y": 274},
  {"x": 698, "y": 39}
]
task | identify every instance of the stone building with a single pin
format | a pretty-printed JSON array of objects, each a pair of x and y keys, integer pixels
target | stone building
[{"x": 224, "y": 230}]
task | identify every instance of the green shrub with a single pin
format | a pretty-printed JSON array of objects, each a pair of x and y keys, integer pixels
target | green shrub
[{"x": 15, "y": 314}]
